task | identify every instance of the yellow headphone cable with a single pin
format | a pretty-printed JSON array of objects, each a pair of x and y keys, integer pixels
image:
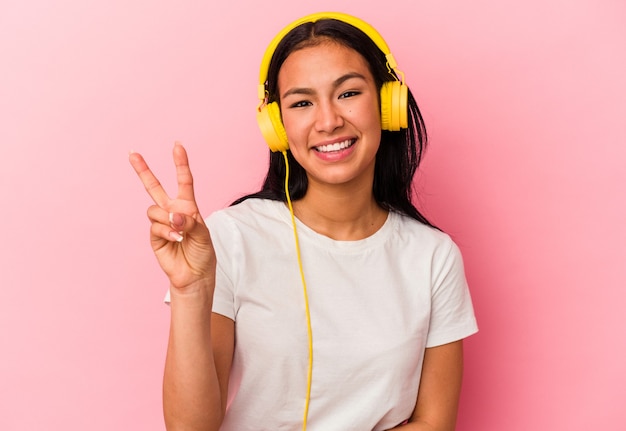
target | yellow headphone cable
[{"x": 306, "y": 296}]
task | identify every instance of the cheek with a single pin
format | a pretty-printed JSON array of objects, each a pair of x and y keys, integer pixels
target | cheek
[
  {"x": 295, "y": 126},
  {"x": 366, "y": 114},
  {"x": 376, "y": 113}
]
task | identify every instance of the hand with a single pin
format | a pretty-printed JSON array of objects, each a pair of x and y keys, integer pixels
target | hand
[{"x": 179, "y": 237}]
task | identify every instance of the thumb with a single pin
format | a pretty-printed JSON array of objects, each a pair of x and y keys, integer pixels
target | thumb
[
  {"x": 177, "y": 221},
  {"x": 186, "y": 224}
]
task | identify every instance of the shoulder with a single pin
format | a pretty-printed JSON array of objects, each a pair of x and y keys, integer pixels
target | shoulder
[
  {"x": 422, "y": 242},
  {"x": 251, "y": 219},
  {"x": 415, "y": 232},
  {"x": 249, "y": 211}
]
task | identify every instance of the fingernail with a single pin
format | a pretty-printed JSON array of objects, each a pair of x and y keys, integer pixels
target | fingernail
[
  {"x": 176, "y": 220},
  {"x": 176, "y": 236}
]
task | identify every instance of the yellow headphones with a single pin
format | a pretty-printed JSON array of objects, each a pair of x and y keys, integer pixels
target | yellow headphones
[{"x": 393, "y": 94}]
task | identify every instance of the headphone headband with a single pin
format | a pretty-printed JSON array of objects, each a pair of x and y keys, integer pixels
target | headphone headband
[{"x": 349, "y": 19}]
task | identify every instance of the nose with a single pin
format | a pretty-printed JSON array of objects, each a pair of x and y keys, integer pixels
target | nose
[{"x": 328, "y": 117}]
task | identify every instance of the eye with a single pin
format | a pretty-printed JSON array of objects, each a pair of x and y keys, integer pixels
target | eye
[
  {"x": 347, "y": 94},
  {"x": 300, "y": 104}
]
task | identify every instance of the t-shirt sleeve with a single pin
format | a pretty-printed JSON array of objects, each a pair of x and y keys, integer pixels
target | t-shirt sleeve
[
  {"x": 452, "y": 313},
  {"x": 224, "y": 297}
]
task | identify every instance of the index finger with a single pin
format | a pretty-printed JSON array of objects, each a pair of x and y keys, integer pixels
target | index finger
[{"x": 150, "y": 182}]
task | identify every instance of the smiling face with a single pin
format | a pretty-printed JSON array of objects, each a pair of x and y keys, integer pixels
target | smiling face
[{"x": 330, "y": 110}]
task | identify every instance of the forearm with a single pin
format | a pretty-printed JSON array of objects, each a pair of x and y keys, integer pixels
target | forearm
[
  {"x": 191, "y": 390},
  {"x": 419, "y": 426},
  {"x": 440, "y": 388}
]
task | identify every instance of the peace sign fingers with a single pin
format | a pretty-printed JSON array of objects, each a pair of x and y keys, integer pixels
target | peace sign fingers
[
  {"x": 179, "y": 237},
  {"x": 185, "y": 197}
]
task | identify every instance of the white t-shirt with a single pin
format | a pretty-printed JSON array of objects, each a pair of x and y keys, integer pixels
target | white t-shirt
[{"x": 375, "y": 305}]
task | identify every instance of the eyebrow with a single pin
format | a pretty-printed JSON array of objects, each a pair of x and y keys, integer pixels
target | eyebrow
[{"x": 336, "y": 83}]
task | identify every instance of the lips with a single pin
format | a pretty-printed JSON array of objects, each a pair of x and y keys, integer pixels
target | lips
[{"x": 337, "y": 146}]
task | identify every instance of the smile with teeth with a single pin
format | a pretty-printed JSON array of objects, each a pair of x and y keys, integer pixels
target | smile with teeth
[{"x": 337, "y": 146}]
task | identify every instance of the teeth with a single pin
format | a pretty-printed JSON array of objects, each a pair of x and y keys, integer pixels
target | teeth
[{"x": 334, "y": 147}]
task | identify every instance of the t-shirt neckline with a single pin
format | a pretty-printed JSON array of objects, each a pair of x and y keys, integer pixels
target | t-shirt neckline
[{"x": 304, "y": 231}]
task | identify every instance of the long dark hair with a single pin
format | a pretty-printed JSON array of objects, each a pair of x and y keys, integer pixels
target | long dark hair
[{"x": 399, "y": 153}]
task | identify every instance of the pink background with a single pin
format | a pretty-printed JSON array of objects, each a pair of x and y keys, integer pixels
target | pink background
[{"x": 525, "y": 104}]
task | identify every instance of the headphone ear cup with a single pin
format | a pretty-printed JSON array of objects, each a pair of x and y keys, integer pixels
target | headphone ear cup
[
  {"x": 272, "y": 127},
  {"x": 403, "y": 108},
  {"x": 394, "y": 106},
  {"x": 385, "y": 106}
]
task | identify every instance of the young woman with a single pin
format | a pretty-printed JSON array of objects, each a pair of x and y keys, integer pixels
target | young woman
[{"x": 357, "y": 321}]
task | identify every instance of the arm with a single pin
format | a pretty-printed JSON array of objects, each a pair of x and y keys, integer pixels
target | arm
[
  {"x": 201, "y": 344},
  {"x": 440, "y": 389},
  {"x": 197, "y": 366}
]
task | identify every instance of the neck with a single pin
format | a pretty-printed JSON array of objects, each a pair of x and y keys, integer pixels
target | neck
[{"x": 344, "y": 214}]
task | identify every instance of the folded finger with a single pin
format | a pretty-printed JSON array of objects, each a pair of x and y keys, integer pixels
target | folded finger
[
  {"x": 160, "y": 232},
  {"x": 177, "y": 221},
  {"x": 165, "y": 225},
  {"x": 174, "y": 224},
  {"x": 156, "y": 214}
]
